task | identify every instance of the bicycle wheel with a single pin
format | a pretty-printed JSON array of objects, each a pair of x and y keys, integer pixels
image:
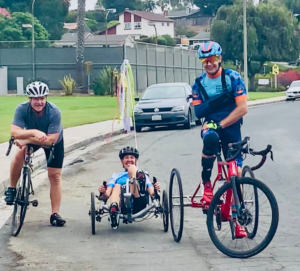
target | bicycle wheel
[
  {"x": 93, "y": 213},
  {"x": 252, "y": 228},
  {"x": 244, "y": 247},
  {"x": 176, "y": 203},
  {"x": 21, "y": 203},
  {"x": 165, "y": 214}
]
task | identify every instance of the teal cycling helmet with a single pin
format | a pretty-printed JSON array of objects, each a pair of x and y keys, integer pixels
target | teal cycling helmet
[{"x": 209, "y": 48}]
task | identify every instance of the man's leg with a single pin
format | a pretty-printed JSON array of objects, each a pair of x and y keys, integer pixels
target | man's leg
[
  {"x": 210, "y": 149},
  {"x": 15, "y": 173},
  {"x": 114, "y": 209}
]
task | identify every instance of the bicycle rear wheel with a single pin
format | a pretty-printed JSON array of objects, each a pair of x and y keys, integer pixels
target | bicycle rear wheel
[
  {"x": 176, "y": 205},
  {"x": 268, "y": 221},
  {"x": 252, "y": 229},
  {"x": 165, "y": 214},
  {"x": 21, "y": 203}
]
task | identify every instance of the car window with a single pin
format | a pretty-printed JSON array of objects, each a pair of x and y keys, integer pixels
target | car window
[
  {"x": 295, "y": 84},
  {"x": 164, "y": 93},
  {"x": 188, "y": 90}
]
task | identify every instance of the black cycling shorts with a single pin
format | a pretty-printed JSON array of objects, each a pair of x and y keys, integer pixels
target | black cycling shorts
[{"x": 59, "y": 153}]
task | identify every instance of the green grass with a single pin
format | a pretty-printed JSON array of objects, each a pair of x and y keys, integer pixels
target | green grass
[
  {"x": 81, "y": 110},
  {"x": 75, "y": 111},
  {"x": 264, "y": 95}
]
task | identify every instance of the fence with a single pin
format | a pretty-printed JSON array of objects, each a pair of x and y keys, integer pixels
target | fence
[
  {"x": 151, "y": 63},
  {"x": 154, "y": 64}
]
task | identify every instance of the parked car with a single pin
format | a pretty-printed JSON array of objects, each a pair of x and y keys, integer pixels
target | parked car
[
  {"x": 167, "y": 104},
  {"x": 293, "y": 91}
]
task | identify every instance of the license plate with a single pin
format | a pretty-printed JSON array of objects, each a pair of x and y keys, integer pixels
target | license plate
[{"x": 156, "y": 117}]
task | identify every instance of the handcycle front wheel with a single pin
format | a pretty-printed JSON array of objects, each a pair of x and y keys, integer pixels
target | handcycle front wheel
[
  {"x": 21, "y": 203},
  {"x": 176, "y": 205},
  {"x": 165, "y": 214},
  {"x": 93, "y": 213},
  {"x": 244, "y": 247},
  {"x": 247, "y": 172}
]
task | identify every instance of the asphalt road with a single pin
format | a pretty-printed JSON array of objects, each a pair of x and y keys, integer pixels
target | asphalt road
[{"x": 144, "y": 246}]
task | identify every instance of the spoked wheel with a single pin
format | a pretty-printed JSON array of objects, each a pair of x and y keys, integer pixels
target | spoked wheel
[
  {"x": 93, "y": 213},
  {"x": 245, "y": 247},
  {"x": 21, "y": 203},
  {"x": 253, "y": 205},
  {"x": 176, "y": 205},
  {"x": 165, "y": 214}
]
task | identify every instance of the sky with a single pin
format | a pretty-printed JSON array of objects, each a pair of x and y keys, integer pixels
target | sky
[{"x": 90, "y": 4}]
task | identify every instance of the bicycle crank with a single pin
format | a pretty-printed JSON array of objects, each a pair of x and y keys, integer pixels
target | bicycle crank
[{"x": 34, "y": 203}]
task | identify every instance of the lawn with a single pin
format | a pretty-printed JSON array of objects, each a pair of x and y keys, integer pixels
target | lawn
[{"x": 80, "y": 110}]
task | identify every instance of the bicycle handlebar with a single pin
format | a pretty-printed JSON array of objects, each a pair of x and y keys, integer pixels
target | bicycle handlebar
[
  {"x": 51, "y": 147},
  {"x": 239, "y": 148}
]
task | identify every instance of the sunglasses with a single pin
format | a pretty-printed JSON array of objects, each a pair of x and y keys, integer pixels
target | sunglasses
[{"x": 211, "y": 59}]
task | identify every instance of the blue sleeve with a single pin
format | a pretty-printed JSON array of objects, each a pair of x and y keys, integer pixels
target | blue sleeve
[
  {"x": 19, "y": 117},
  {"x": 238, "y": 86},
  {"x": 112, "y": 180},
  {"x": 55, "y": 122},
  {"x": 201, "y": 109},
  {"x": 148, "y": 181}
]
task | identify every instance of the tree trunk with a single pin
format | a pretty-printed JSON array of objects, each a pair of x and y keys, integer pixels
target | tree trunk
[{"x": 81, "y": 79}]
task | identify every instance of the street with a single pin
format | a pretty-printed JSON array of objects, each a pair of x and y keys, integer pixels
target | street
[{"x": 144, "y": 246}]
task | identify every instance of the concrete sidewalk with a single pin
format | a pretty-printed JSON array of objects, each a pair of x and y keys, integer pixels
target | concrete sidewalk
[{"x": 80, "y": 136}]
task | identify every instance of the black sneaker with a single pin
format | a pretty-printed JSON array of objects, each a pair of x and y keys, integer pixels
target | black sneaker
[
  {"x": 56, "y": 220},
  {"x": 141, "y": 177},
  {"x": 114, "y": 215},
  {"x": 10, "y": 195}
]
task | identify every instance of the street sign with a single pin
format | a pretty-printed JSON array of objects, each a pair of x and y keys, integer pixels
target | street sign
[{"x": 275, "y": 69}]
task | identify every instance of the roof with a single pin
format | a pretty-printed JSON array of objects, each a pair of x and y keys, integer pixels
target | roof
[
  {"x": 201, "y": 36},
  {"x": 104, "y": 30},
  {"x": 70, "y": 26},
  {"x": 148, "y": 15},
  {"x": 181, "y": 13},
  {"x": 71, "y": 38}
]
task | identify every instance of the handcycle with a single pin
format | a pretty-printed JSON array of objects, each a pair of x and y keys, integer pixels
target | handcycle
[
  {"x": 231, "y": 205},
  {"x": 25, "y": 187},
  {"x": 155, "y": 206}
]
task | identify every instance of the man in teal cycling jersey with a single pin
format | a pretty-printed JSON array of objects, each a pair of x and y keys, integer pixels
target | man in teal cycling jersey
[
  {"x": 129, "y": 157},
  {"x": 220, "y": 97}
]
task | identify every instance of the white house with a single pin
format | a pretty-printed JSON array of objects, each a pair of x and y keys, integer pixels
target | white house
[{"x": 135, "y": 23}]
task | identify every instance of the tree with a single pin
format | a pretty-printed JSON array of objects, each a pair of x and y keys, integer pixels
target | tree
[
  {"x": 120, "y": 5},
  {"x": 11, "y": 30},
  {"x": 148, "y": 5},
  {"x": 210, "y": 7},
  {"x": 270, "y": 31},
  {"x": 80, "y": 45},
  {"x": 51, "y": 13}
]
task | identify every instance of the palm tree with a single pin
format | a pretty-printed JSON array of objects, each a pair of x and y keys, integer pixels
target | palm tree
[{"x": 80, "y": 46}]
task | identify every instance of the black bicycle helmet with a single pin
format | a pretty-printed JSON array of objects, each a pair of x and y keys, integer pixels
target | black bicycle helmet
[{"x": 129, "y": 151}]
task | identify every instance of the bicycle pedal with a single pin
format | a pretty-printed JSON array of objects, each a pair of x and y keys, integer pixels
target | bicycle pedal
[
  {"x": 98, "y": 218},
  {"x": 35, "y": 203}
]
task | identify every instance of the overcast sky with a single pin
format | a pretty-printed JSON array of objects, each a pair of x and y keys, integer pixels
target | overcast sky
[{"x": 91, "y": 3}]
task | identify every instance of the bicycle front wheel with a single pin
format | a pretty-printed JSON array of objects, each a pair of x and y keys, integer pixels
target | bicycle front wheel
[
  {"x": 231, "y": 244},
  {"x": 21, "y": 203},
  {"x": 176, "y": 205}
]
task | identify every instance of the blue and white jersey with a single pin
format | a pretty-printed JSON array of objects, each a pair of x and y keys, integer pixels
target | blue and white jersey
[{"x": 121, "y": 179}]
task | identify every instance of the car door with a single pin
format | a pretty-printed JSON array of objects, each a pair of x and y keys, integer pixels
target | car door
[{"x": 190, "y": 102}]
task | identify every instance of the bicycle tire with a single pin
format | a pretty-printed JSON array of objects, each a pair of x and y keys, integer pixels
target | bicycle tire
[
  {"x": 165, "y": 207},
  {"x": 252, "y": 234},
  {"x": 22, "y": 196},
  {"x": 93, "y": 213},
  {"x": 176, "y": 235},
  {"x": 274, "y": 224}
]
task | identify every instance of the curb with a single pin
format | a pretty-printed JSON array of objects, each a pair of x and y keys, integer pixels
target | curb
[
  {"x": 264, "y": 103},
  {"x": 40, "y": 160}
]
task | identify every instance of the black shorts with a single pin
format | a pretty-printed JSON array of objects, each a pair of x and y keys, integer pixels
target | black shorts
[{"x": 59, "y": 153}]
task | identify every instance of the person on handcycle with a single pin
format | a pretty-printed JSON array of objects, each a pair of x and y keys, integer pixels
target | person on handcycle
[
  {"x": 220, "y": 97},
  {"x": 129, "y": 157}
]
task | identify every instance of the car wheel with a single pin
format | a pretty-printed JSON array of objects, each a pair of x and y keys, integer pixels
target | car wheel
[
  {"x": 138, "y": 128},
  {"x": 188, "y": 124}
]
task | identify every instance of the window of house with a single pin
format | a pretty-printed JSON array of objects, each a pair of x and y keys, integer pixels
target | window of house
[
  {"x": 137, "y": 25},
  {"x": 127, "y": 25},
  {"x": 163, "y": 24},
  {"x": 168, "y": 24}
]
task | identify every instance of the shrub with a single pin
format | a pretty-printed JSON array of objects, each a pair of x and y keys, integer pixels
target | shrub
[
  {"x": 169, "y": 39},
  {"x": 68, "y": 84},
  {"x": 102, "y": 85},
  {"x": 279, "y": 88},
  {"x": 286, "y": 78}
]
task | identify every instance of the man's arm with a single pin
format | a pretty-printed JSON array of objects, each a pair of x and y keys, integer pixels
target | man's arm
[
  {"x": 19, "y": 133},
  {"x": 51, "y": 138},
  {"x": 240, "y": 110}
]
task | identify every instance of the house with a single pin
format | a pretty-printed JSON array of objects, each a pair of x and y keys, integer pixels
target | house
[
  {"x": 199, "y": 38},
  {"x": 136, "y": 24},
  {"x": 189, "y": 17},
  {"x": 70, "y": 40}
]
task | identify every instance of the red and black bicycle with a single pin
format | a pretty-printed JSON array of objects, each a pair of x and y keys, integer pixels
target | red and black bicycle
[{"x": 240, "y": 201}]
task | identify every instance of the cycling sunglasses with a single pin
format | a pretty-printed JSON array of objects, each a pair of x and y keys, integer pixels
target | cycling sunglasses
[{"x": 211, "y": 59}]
